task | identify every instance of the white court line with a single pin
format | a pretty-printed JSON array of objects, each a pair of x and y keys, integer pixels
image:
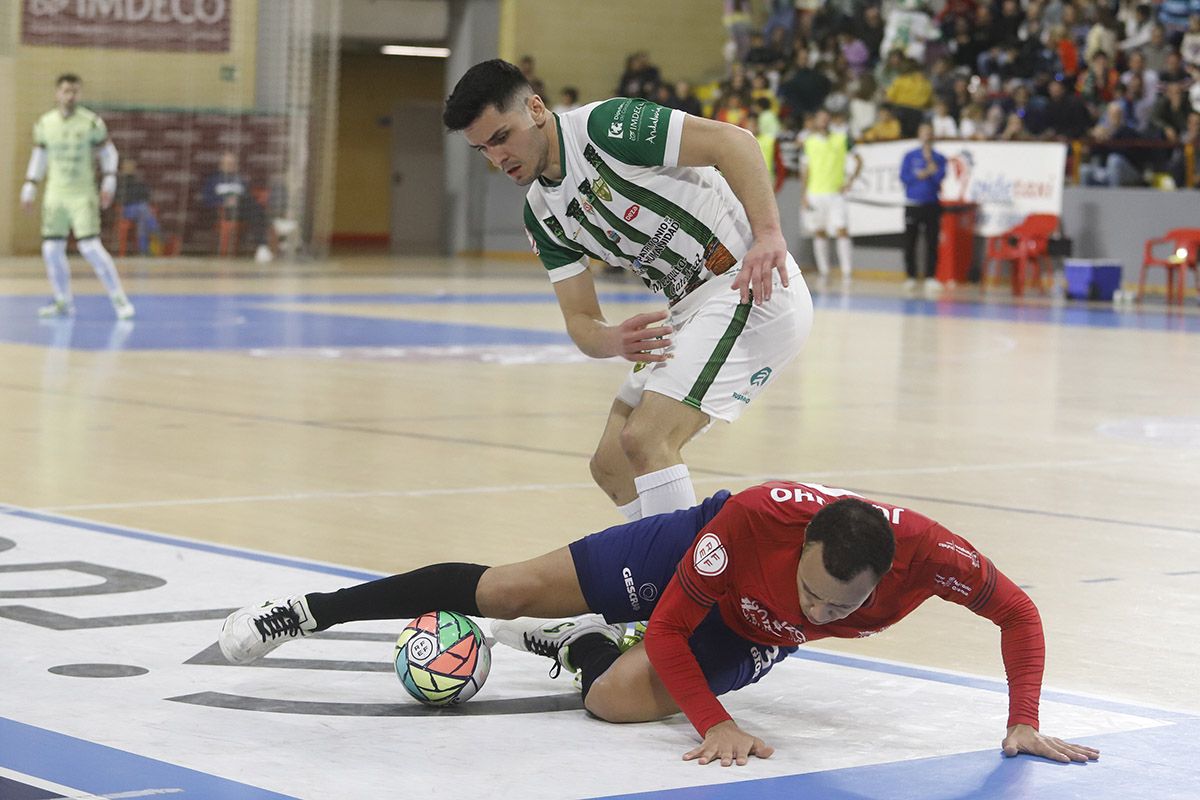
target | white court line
[
  {"x": 73, "y": 794},
  {"x": 543, "y": 487}
]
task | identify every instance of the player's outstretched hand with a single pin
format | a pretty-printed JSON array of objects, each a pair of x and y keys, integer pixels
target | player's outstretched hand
[
  {"x": 767, "y": 254},
  {"x": 640, "y": 339},
  {"x": 1027, "y": 739},
  {"x": 728, "y": 743}
]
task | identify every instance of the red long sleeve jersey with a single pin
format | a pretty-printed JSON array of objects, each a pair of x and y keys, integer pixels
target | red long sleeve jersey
[{"x": 745, "y": 561}]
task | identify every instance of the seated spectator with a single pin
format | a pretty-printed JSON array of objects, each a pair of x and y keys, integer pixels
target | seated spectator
[
  {"x": 639, "y": 75},
  {"x": 944, "y": 125},
  {"x": 869, "y": 29},
  {"x": 1065, "y": 115},
  {"x": 909, "y": 27},
  {"x": 760, "y": 54},
  {"x": 971, "y": 123},
  {"x": 686, "y": 100},
  {"x": 227, "y": 194},
  {"x": 1177, "y": 165},
  {"x": 885, "y": 129},
  {"x": 1175, "y": 14},
  {"x": 858, "y": 57},
  {"x": 1138, "y": 27},
  {"x": 1136, "y": 65},
  {"x": 1062, "y": 45},
  {"x": 1118, "y": 163},
  {"x": 1173, "y": 71},
  {"x": 910, "y": 95},
  {"x": 1157, "y": 48},
  {"x": 1098, "y": 86},
  {"x": 965, "y": 47},
  {"x": 1135, "y": 105},
  {"x": 862, "y": 108},
  {"x": 1102, "y": 36},
  {"x": 732, "y": 109},
  {"x": 803, "y": 89},
  {"x": 132, "y": 198},
  {"x": 1189, "y": 47},
  {"x": 568, "y": 100},
  {"x": 1170, "y": 113}
]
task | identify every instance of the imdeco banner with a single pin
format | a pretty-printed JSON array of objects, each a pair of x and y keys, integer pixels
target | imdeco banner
[
  {"x": 191, "y": 25},
  {"x": 1009, "y": 180}
]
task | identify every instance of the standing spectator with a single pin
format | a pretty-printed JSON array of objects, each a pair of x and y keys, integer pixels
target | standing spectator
[
  {"x": 921, "y": 172},
  {"x": 133, "y": 201},
  {"x": 227, "y": 194},
  {"x": 910, "y": 94},
  {"x": 66, "y": 140},
  {"x": 639, "y": 76},
  {"x": 568, "y": 100},
  {"x": 823, "y": 189}
]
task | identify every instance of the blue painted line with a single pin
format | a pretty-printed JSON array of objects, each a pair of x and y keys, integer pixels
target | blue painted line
[
  {"x": 1130, "y": 766},
  {"x": 102, "y": 770},
  {"x": 203, "y": 547}
]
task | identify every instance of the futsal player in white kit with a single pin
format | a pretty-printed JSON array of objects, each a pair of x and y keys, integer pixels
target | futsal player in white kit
[{"x": 686, "y": 204}]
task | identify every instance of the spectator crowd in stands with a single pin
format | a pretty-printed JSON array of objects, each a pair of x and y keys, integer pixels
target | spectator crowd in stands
[{"x": 1121, "y": 78}]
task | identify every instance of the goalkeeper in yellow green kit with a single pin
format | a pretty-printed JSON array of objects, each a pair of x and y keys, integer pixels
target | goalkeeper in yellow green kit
[{"x": 65, "y": 141}]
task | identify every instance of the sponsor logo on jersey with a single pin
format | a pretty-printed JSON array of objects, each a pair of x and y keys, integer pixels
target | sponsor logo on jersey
[
  {"x": 632, "y": 212},
  {"x": 952, "y": 583},
  {"x": 760, "y": 377},
  {"x": 631, "y": 590},
  {"x": 761, "y": 618},
  {"x": 740, "y": 397},
  {"x": 970, "y": 555},
  {"x": 710, "y": 557},
  {"x": 648, "y": 591},
  {"x": 613, "y": 236},
  {"x": 616, "y": 129},
  {"x": 601, "y": 190},
  {"x": 652, "y": 128},
  {"x": 658, "y": 242},
  {"x": 587, "y": 206}
]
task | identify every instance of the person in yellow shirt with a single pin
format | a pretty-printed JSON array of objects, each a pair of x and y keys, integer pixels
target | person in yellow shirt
[
  {"x": 65, "y": 140},
  {"x": 910, "y": 94},
  {"x": 824, "y": 185},
  {"x": 885, "y": 129}
]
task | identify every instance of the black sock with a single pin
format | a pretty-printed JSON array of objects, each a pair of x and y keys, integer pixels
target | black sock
[
  {"x": 592, "y": 654},
  {"x": 440, "y": 587}
]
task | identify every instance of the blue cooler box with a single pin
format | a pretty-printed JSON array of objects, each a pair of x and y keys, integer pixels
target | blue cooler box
[{"x": 1092, "y": 280}]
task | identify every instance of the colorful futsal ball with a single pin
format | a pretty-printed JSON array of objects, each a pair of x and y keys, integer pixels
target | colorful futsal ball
[{"x": 442, "y": 658}]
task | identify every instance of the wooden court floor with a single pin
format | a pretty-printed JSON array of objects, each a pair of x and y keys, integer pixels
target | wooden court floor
[{"x": 386, "y": 413}]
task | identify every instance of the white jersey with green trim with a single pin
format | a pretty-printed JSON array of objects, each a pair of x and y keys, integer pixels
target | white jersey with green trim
[
  {"x": 624, "y": 200},
  {"x": 70, "y": 143}
]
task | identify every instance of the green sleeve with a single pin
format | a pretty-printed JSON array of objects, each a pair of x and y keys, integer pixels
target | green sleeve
[
  {"x": 553, "y": 253},
  {"x": 632, "y": 130}
]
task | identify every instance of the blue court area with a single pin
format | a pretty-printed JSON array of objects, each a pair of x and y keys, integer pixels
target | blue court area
[
  {"x": 122, "y": 630},
  {"x": 262, "y": 321}
]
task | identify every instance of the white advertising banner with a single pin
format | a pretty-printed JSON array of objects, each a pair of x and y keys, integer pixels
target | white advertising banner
[{"x": 1009, "y": 180}]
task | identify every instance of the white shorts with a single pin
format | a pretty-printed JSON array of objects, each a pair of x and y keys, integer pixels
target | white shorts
[
  {"x": 726, "y": 353},
  {"x": 828, "y": 213}
]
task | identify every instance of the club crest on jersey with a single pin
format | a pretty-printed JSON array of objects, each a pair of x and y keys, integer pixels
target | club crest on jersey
[
  {"x": 710, "y": 557},
  {"x": 601, "y": 189},
  {"x": 760, "y": 377},
  {"x": 632, "y": 212},
  {"x": 616, "y": 129}
]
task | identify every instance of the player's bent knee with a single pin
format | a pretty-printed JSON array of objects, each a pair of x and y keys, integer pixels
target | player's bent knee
[{"x": 506, "y": 593}]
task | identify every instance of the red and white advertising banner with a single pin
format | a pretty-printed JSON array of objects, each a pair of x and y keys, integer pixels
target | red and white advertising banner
[
  {"x": 191, "y": 25},
  {"x": 1009, "y": 180}
]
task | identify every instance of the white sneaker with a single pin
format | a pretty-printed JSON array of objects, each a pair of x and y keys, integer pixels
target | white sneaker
[
  {"x": 932, "y": 286},
  {"x": 250, "y": 633},
  {"x": 58, "y": 307},
  {"x": 122, "y": 306},
  {"x": 263, "y": 255},
  {"x": 910, "y": 286},
  {"x": 284, "y": 227},
  {"x": 552, "y": 637}
]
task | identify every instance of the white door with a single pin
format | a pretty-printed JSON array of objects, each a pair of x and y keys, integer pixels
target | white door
[{"x": 418, "y": 189}]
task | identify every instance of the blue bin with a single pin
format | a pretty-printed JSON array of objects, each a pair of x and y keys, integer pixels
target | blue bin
[{"x": 1092, "y": 280}]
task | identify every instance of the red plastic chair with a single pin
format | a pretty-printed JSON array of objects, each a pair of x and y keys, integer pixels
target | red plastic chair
[
  {"x": 1185, "y": 253},
  {"x": 1024, "y": 246}
]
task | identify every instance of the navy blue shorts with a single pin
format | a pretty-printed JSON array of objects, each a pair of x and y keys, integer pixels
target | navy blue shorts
[{"x": 624, "y": 569}]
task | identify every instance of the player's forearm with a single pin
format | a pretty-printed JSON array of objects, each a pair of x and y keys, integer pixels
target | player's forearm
[
  {"x": 592, "y": 335},
  {"x": 680, "y": 673},
  {"x": 741, "y": 162}
]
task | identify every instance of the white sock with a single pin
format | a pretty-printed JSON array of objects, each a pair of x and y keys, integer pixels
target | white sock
[
  {"x": 54, "y": 253},
  {"x": 843, "y": 251},
  {"x": 102, "y": 263},
  {"x": 821, "y": 251},
  {"x": 666, "y": 490},
  {"x": 632, "y": 511}
]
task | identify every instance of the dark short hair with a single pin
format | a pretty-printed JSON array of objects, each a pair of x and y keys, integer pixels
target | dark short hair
[
  {"x": 67, "y": 77},
  {"x": 489, "y": 83},
  {"x": 855, "y": 536}
]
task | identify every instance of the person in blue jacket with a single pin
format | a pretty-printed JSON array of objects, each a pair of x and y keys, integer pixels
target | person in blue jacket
[{"x": 921, "y": 172}]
